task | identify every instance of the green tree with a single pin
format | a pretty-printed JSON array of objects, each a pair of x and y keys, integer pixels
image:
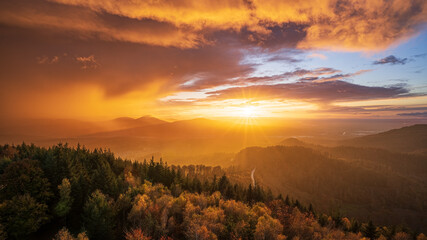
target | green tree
[
  {"x": 22, "y": 215},
  {"x": 98, "y": 217},
  {"x": 4, "y": 162},
  {"x": 25, "y": 177},
  {"x": 64, "y": 204}
]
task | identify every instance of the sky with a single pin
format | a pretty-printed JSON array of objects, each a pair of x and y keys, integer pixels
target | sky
[{"x": 182, "y": 59}]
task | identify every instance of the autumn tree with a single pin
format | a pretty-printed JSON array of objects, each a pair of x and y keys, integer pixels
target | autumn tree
[
  {"x": 268, "y": 228},
  {"x": 64, "y": 234},
  {"x": 136, "y": 234},
  {"x": 401, "y": 236},
  {"x": 421, "y": 236}
]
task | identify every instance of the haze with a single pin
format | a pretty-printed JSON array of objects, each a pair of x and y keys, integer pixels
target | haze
[{"x": 326, "y": 99}]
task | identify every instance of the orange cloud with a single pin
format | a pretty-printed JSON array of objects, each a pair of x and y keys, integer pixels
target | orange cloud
[
  {"x": 362, "y": 24},
  {"x": 87, "y": 24},
  {"x": 88, "y": 62},
  {"x": 341, "y": 24},
  {"x": 200, "y": 14}
]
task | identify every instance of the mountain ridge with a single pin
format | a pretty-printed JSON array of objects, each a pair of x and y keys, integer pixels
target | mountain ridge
[{"x": 406, "y": 139}]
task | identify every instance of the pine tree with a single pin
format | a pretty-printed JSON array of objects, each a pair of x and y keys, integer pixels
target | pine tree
[
  {"x": 287, "y": 200},
  {"x": 98, "y": 217},
  {"x": 310, "y": 209},
  {"x": 370, "y": 231}
]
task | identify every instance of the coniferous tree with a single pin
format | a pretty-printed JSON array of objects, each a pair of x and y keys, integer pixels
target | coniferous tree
[
  {"x": 98, "y": 217},
  {"x": 287, "y": 200},
  {"x": 25, "y": 177},
  {"x": 22, "y": 215},
  {"x": 370, "y": 231}
]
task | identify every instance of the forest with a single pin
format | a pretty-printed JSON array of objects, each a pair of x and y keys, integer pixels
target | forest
[{"x": 75, "y": 193}]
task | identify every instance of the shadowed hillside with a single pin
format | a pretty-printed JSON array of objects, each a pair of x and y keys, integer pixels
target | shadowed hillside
[
  {"x": 406, "y": 139},
  {"x": 363, "y": 188}
]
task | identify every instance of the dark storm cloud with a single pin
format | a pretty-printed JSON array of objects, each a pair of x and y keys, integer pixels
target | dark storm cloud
[
  {"x": 334, "y": 77},
  {"x": 368, "y": 109},
  {"x": 284, "y": 59},
  {"x": 391, "y": 60},
  {"x": 321, "y": 92},
  {"x": 204, "y": 81},
  {"x": 413, "y": 114}
]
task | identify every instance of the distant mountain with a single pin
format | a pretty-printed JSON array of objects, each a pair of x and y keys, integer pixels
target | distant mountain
[
  {"x": 34, "y": 129},
  {"x": 193, "y": 128},
  {"x": 127, "y": 122},
  {"x": 406, "y": 139},
  {"x": 293, "y": 142},
  {"x": 50, "y": 128}
]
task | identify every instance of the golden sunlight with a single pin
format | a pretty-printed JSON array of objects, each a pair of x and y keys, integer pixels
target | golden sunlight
[{"x": 247, "y": 112}]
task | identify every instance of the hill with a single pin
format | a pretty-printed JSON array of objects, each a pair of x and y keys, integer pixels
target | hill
[
  {"x": 293, "y": 142},
  {"x": 407, "y": 139},
  {"x": 363, "y": 186},
  {"x": 127, "y": 122}
]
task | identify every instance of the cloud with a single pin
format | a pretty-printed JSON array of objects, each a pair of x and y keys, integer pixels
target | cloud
[
  {"x": 317, "y": 55},
  {"x": 205, "y": 81},
  {"x": 47, "y": 60},
  {"x": 316, "y": 92},
  {"x": 335, "y": 77},
  {"x": 338, "y": 24},
  {"x": 413, "y": 114},
  {"x": 116, "y": 68},
  {"x": 88, "y": 62},
  {"x": 284, "y": 58},
  {"x": 420, "y": 55},
  {"x": 369, "y": 109},
  {"x": 87, "y": 24},
  {"x": 391, "y": 60}
]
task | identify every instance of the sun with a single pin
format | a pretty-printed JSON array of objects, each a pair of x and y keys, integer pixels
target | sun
[{"x": 248, "y": 112}]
